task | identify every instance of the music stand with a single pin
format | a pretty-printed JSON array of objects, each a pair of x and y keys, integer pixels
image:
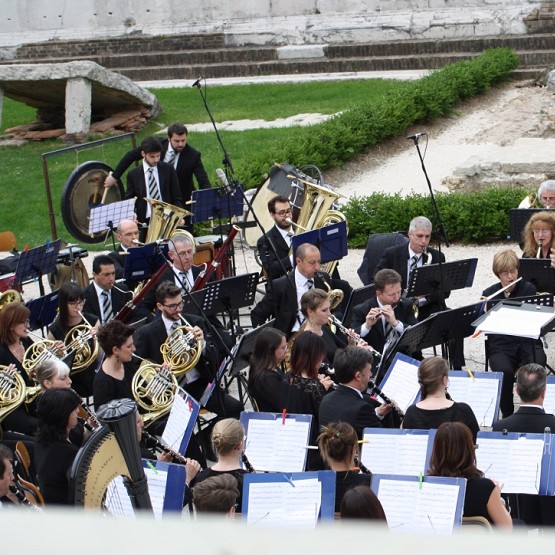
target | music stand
[
  {"x": 42, "y": 310},
  {"x": 539, "y": 272},
  {"x": 331, "y": 240},
  {"x": 36, "y": 262},
  {"x": 518, "y": 218},
  {"x": 108, "y": 216},
  {"x": 142, "y": 262},
  {"x": 210, "y": 204},
  {"x": 541, "y": 300},
  {"x": 357, "y": 296},
  {"x": 442, "y": 278}
]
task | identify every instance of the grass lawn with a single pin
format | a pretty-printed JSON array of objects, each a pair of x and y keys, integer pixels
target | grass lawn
[{"x": 24, "y": 208}]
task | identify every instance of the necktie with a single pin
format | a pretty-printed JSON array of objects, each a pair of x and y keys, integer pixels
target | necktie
[
  {"x": 174, "y": 326},
  {"x": 184, "y": 280},
  {"x": 289, "y": 237},
  {"x": 152, "y": 185},
  {"x": 309, "y": 284},
  {"x": 107, "y": 307},
  {"x": 170, "y": 157},
  {"x": 413, "y": 264}
]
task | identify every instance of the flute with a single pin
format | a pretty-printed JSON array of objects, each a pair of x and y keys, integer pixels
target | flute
[
  {"x": 153, "y": 442},
  {"x": 375, "y": 389}
]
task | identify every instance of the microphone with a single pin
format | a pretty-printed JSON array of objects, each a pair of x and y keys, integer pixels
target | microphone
[
  {"x": 222, "y": 178},
  {"x": 197, "y": 82},
  {"x": 416, "y": 136}
]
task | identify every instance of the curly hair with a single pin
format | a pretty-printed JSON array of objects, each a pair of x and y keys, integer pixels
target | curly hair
[
  {"x": 113, "y": 334},
  {"x": 547, "y": 218},
  {"x": 337, "y": 443}
]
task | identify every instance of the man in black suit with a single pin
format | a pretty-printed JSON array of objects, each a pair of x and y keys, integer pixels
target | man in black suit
[
  {"x": 175, "y": 151},
  {"x": 350, "y": 402},
  {"x": 277, "y": 261},
  {"x": 127, "y": 233},
  {"x": 102, "y": 298},
  {"x": 282, "y": 301},
  {"x": 376, "y": 319},
  {"x": 531, "y": 381},
  {"x": 152, "y": 179},
  {"x": 150, "y": 337}
]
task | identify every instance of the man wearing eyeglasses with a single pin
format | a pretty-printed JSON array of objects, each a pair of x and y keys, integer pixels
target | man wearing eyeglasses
[{"x": 277, "y": 261}]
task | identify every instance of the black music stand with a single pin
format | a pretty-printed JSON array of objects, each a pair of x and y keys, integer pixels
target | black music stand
[
  {"x": 142, "y": 262},
  {"x": 36, "y": 262},
  {"x": 331, "y": 240},
  {"x": 442, "y": 278},
  {"x": 539, "y": 272},
  {"x": 518, "y": 218},
  {"x": 43, "y": 310},
  {"x": 541, "y": 300},
  {"x": 357, "y": 296},
  {"x": 210, "y": 204}
]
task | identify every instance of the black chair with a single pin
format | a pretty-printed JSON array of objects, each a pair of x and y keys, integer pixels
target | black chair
[{"x": 375, "y": 246}]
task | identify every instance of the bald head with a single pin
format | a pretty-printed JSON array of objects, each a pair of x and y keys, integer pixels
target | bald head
[
  {"x": 308, "y": 260},
  {"x": 127, "y": 232}
]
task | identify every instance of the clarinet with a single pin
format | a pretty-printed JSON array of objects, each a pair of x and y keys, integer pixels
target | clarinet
[
  {"x": 15, "y": 488},
  {"x": 247, "y": 463},
  {"x": 351, "y": 334},
  {"x": 153, "y": 443},
  {"x": 375, "y": 389},
  {"x": 361, "y": 467},
  {"x": 87, "y": 415}
]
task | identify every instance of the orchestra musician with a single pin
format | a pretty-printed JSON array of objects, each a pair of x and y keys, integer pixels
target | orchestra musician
[
  {"x": 266, "y": 377},
  {"x": 539, "y": 235},
  {"x": 283, "y": 297},
  {"x": 6, "y": 472},
  {"x": 338, "y": 444},
  {"x": 545, "y": 198},
  {"x": 277, "y": 260},
  {"x": 361, "y": 503},
  {"x": 127, "y": 233},
  {"x": 152, "y": 179},
  {"x": 434, "y": 406},
  {"x": 349, "y": 402},
  {"x": 71, "y": 301},
  {"x": 507, "y": 353},
  {"x": 454, "y": 456},
  {"x": 377, "y": 318},
  {"x": 217, "y": 494}
]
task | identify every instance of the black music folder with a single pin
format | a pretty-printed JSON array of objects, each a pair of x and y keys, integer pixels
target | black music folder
[{"x": 539, "y": 272}]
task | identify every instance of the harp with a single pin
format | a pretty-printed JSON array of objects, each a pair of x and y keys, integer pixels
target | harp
[{"x": 113, "y": 450}]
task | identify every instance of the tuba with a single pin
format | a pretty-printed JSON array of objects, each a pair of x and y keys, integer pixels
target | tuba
[
  {"x": 154, "y": 388},
  {"x": 13, "y": 391},
  {"x": 181, "y": 350},
  {"x": 164, "y": 218}
]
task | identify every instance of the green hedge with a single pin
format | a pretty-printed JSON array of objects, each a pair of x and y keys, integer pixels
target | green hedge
[
  {"x": 338, "y": 139},
  {"x": 478, "y": 217}
]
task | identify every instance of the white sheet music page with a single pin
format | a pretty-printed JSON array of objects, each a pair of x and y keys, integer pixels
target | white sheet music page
[
  {"x": 178, "y": 420},
  {"x": 549, "y": 401},
  {"x": 415, "y": 507},
  {"x": 293, "y": 504},
  {"x": 480, "y": 394},
  {"x": 277, "y": 446},
  {"x": 395, "y": 453},
  {"x": 512, "y": 321},
  {"x": 514, "y": 463},
  {"x": 402, "y": 384}
]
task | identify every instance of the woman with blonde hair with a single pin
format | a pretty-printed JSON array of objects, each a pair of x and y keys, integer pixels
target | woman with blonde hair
[
  {"x": 228, "y": 443},
  {"x": 539, "y": 235}
]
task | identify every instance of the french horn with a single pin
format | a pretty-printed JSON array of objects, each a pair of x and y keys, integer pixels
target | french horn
[
  {"x": 36, "y": 354},
  {"x": 81, "y": 341},
  {"x": 9, "y": 296},
  {"x": 13, "y": 391},
  {"x": 181, "y": 350}
]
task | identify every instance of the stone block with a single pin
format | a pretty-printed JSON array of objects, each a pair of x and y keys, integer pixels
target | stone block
[{"x": 78, "y": 105}]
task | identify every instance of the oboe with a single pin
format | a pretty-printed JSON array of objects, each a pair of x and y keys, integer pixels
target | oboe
[
  {"x": 154, "y": 443},
  {"x": 87, "y": 415},
  {"x": 360, "y": 466},
  {"x": 247, "y": 463},
  {"x": 375, "y": 389},
  {"x": 351, "y": 334}
]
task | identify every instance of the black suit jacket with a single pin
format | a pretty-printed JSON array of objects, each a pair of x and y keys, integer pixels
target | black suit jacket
[
  {"x": 169, "y": 188},
  {"x": 532, "y": 420},
  {"x": 281, "y": 302},
  {"x": 396, "y": 258},
  {"x": 119, "y": 299},
  {"x": 270, "y": 261},
  {"x": 376, "y": 336},
  {"x": 189, "y": 163},
  {"x": 345, "y": 405}
]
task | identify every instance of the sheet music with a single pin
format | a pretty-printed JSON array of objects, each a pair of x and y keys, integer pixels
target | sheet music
[
  {"x": 181, "y": 412},
  {"x": 395, "y": 453},
  {"x": 114, "y": 212},
  {"x": 401, "y": 384},
  {"x": 277, "y": 447},
  {"x": 481, "y": 394},
  {"x": 415, "y": 507},
  {"x": 549, "y": 401},
  {"x": 119, "y": 504},
  {"x": 512, "y": 321},
  {"x": 293, "y": 504},
  {"x": 514, "y": 463}
]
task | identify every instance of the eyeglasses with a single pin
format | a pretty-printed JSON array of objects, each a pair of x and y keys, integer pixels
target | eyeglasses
[
  {"x": 283, "y": 212},
  {"x": 507, "y": 273},
  {"x": 541, "y": 231},
  {"x": 174, "y": 305},
  {"x": 76, "y": 303}
]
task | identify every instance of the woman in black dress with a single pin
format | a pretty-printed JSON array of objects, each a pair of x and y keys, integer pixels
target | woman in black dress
[
  {"x": 454, "y": 456},
  {"x": 338, "y": 444},
  {"x": 507, "y": 353},
  {"x": 435, "y": 407},
  {"x": 265, "y": 372},
  {"x": 70, "y": 302},
  {"x": 54, "y": 454}
]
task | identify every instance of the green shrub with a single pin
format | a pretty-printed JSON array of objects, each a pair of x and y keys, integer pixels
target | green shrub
[{"x": 478, "y": 217}]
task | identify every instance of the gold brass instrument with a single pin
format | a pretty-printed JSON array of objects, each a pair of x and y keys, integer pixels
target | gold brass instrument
[
  {"x": 8, "y": 297},
  {"x": 164, "y": 218},
  {"x": 531, "y": 201},
  {"x": 335, "y": 296},
  {"x": 181, "y": 350},
  {"x": 154, "y": 388},
  {"x": 36, "y": 354},
  {"x": 81, "y": 341},
  {"x": 13, "y": 391}
]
